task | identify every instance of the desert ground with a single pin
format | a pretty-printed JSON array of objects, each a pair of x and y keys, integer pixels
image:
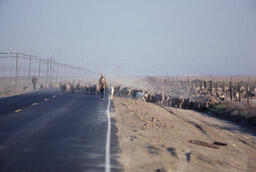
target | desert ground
[{"x": 158, "y": 138}]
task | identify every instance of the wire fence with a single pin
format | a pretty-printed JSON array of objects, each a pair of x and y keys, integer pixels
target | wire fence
[{"x": 17, "y": 70}]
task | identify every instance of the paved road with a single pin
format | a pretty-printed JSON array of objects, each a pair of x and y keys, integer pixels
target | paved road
[{"x": 53, "y": 132}]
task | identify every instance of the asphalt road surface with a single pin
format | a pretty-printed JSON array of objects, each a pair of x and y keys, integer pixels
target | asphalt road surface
[{"x": 51, "y": 132}]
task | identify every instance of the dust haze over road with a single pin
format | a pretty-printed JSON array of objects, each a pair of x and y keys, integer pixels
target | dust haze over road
[
  {"x": 150, "y": 37},
  {"x": 140, "y": 46}
]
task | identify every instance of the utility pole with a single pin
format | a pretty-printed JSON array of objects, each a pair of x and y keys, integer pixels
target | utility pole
[
  {"x": 60, "y": 72},
  {"x": 47, "y": 71},
  {"x": 248, "y": 91},
  {"x": 57, "y": 71},
  {"x": 65, "y": 67},
  {"x": 39, "y": 69},
  {"x": 239, "y": 92},
  {"x": 51, "y": 72},
  {"x": 16, "y": 69},
  {"x": 29, "y": 69},
  {"x": 230, "y": 91}
]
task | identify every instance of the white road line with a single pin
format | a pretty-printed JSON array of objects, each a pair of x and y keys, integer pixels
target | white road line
[{"x": 107, "y": 153}]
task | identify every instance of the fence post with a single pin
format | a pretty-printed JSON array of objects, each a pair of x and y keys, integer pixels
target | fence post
[
  {"x": 29, "y": 69},
  {"x": 50, "y": 76},
  {"x": 210, "y": 85},
  {"x": 248, "y": 95},
  {"x": 248, "y": 91},
  {"x": 239, "y": 92},
  {"x": 16, "y": 67},
  {"x": 65, "y": 76},
  {"x": 230, "y": 91},
  {"x": 53, "y": 71},
  {"x": 39, "y": 69},
  {"x": 47, "y": 71},
  {"x": 57, "y": 72}
]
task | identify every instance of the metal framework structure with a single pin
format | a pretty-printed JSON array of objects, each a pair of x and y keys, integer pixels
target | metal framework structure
[{"x": 48, "y": 69}]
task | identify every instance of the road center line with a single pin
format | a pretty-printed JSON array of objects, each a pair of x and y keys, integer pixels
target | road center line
[{"x": 107, "y": 153}]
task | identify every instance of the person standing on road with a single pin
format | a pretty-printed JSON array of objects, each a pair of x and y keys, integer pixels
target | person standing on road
[
  {"x": 102, "y": 86},
  {"x": 34, "y": 80}
]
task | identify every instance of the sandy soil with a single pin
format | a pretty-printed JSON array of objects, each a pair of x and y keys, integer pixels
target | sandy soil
[
  {"x": 14, "y": 93},
  {"x": 156, "y": 138}
]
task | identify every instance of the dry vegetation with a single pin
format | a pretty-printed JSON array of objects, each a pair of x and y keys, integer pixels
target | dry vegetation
[{"x": 245, "y": 114}]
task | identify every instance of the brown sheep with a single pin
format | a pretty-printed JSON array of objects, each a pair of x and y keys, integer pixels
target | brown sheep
[{"x": 177, "y": 102}]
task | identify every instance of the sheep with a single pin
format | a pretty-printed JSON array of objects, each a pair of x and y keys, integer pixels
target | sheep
[
  {"x": 220, "y": 96},
  {"x": 65, "y": 88},
  {"x": 225, "y": 89},
  {"x": 72, "y": 88},
  {"x": 254, "y": 89},
  {"x": 150, "y": 98},
  {"x": 249, "y": 94},
  {"x": 117, "y": 90},
  {"x": 236, "y": 96},
  {"x": 166, "y": 100},
  {"x": 133, "y": 93},
  {"x": 78, "y": 87},
  {"x": 242, "y": 90},
  {"x": 87, "y": 89},
  {"x": 186, "y": 103},
  {"x": 219, "y": 89},
  {"x": 177, "y": 102},
  {"x": 112, "y": 91},
  {"x": 158, "y": 98},
  {"x": 201, "y": 106},
  {"x": 126, "y": 92},
  {"x": 94, "y": 89},
  {"x": 140, "y": 96}
]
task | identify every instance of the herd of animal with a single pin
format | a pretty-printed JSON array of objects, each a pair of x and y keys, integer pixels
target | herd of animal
[{"x": 199, "y": 99}]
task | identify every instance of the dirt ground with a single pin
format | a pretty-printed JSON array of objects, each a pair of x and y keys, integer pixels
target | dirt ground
[
  {"x": 13, "y": 93},
  {"x": 157, "y": 138}
]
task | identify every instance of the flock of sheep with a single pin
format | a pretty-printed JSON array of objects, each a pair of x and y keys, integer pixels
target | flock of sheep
[
  {"x": 201, "y": 102},
  {"x": 199, "y": 98}
]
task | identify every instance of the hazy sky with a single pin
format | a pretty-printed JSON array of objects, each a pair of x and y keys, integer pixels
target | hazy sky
[{"x": 151, "y": 37}]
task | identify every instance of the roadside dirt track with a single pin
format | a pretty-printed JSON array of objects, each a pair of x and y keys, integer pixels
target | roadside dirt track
[{"x": 157, "y": 138}]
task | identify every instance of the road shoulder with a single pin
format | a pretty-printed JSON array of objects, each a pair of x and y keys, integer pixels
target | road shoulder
[{"x": 153, "y": 138}]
